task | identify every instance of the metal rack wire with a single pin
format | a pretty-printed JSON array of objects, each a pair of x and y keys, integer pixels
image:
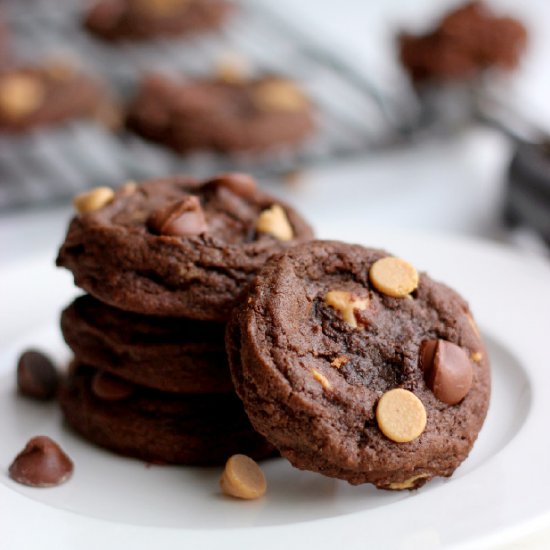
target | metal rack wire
[{"x": 55, "y": 163}]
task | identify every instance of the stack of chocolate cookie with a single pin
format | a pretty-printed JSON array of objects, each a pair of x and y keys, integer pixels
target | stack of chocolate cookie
[{"x": 164, "y": 263}]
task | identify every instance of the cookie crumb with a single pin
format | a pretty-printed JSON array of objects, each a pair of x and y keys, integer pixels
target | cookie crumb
[{"x": 339, "y": 361}]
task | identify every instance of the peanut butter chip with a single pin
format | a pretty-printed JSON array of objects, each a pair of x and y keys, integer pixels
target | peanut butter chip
[
  {"x": 129, "y": 187},
  {"x": 274, "y": 221},
  {"x": 93, "y": 200},
  {"x": 346, "y": 304},
  {"x": 20, "y": 95},
  {"x": 321, "y": 378},
  {"x": 476, "y": 356},
  {"x": 233, "y": 69},
  {"x": 162, "y": 8},
  {"x": 243, "y": 478},
  {"x": 401, "y": 416},
  {"x": 394, "y": 277},
  {"x": 407, "y": 484},
  {"x": 279, "y": 95}
]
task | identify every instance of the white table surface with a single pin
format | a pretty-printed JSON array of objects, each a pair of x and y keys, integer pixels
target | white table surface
[{"x": 447, "y": 186}]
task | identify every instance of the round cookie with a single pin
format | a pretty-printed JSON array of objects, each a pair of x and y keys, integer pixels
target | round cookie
[
  {"x": 144, "y": 19},
  {"x": 220, "y": 115},
  {"x": 171, "y": 354},
  {"x": 50, "y": 94},
  {"x": 155, "y": 426},
  {"x": 347, "y": 380},
  {"x": 177, "y": 246}
]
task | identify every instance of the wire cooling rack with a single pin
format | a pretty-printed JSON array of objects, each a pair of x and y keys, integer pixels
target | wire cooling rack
[{"x": 56, "y": 163}]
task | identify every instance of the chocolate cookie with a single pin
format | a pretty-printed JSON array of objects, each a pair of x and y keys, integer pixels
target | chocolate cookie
[
  {"x": 171, "y": 354},
  {"x": 157, "y": 426},
  {"x": 249, "y": 115},
  {"x": 144, "y": 19},
  {"x": 47, "y": 95},
  {"x": 177, "y": 246},
  {"x": 465, "y": 42},
  {"x": 355, "y": 366}
]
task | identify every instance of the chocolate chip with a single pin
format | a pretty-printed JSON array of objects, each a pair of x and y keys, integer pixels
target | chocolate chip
[
  {"x": 183, "y": 218},
  {"x": 240, "y": 184},
  {"x": 36, "y": 375},
  {"x": 42, "y": 463},
  {"x": 111, "y": 388},
  {"x": 447, "y": 370}
]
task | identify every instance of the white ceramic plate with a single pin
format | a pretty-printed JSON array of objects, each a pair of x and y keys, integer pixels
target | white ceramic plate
[{"x": 499, "y": 493}]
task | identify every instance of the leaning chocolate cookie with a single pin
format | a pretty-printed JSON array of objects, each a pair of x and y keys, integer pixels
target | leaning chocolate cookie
[
  {"x": 145, "y": 19},
  {"x": 177, "y": 246},
  {"x": 172, "y": 354},
  {"x": 219, "y": 115},
  {"x": 356, "y": 366},
  {"x": 157, "y": 426}
]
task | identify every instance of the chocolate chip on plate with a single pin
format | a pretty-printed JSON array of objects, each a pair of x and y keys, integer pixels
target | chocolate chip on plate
[
  {"x": 37, "y": 377},
  {"x": 42, "y": 463}
]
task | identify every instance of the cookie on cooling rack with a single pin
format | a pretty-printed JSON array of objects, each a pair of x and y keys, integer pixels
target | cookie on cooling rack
[
  {"x": 251, "y": 115},
  {"x": 357, "y": 367},
  {"x": 145, "y": 19},
  {"x": 50, "y": 94}
]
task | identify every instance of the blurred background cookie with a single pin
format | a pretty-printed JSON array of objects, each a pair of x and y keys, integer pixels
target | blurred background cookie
[
  {"x": 144, "y": 19},
  {"x": 50, "y": 94},
  {"x": 249, "y": 115}
]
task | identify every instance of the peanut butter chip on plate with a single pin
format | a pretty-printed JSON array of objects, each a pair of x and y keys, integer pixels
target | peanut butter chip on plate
[
  {"x": 393, "y": 277},
  {"x": 243, "y": 478},
  {"x": 346, "y": 303},
  {"x": 401, "y": 416},
  {"x": 93, "y": 200},
  {"x": 274, "y": 221},
  {"x": 20, "y": 95}
]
